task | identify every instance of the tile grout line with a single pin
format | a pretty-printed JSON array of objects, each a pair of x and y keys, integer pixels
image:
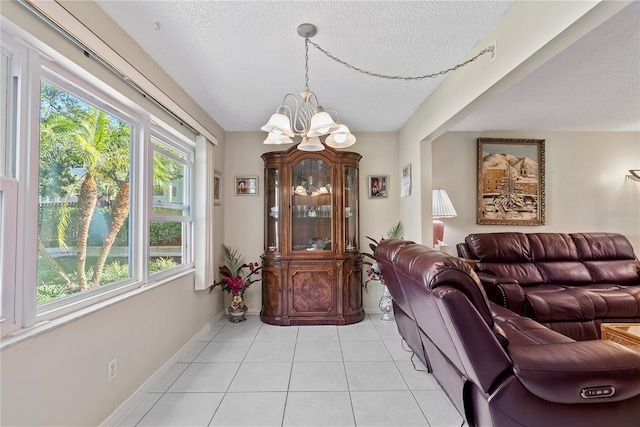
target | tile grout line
[
  {"x": 163, "y": 393},
  {"x": 293, "y": 358}
]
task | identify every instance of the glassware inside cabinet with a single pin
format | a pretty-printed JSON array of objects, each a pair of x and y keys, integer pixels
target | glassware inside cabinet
[
  {"x": 311, "y": 205},
  {"x": 272, "y": 236},
  {"x": 351, "y": 208}
]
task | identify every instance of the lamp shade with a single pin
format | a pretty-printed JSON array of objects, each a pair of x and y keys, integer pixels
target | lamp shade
[
  {"x": 279, "y": 123},
  {"x": 277, "y": 139},
  {"x": 340, "y": 138},
  {"x": 441, "y": 205},
  {"x": 321, "y": 123},
  {"x": 311, "y": 144}
]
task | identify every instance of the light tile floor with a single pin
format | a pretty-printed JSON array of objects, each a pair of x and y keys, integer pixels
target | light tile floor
[{"x": 253, "y": 374}]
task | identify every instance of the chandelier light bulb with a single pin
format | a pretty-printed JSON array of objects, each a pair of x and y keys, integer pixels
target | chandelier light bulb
[
  {"x": 333, "y": 143},
  {"x": 339, "y": 137}
]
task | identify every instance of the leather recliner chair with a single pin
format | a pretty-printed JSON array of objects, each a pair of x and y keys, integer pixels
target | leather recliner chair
[{"x": 497, "y": 367}]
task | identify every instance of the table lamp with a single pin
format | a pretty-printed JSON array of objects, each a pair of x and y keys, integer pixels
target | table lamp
[{"x": 441, "y": 208}]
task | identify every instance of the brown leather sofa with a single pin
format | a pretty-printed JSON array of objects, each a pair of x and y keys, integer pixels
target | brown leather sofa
[
  {"x": 570, "y": 283},
  {"x": 497, "y": 367}
]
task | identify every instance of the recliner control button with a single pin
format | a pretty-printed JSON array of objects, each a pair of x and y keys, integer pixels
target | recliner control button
[{"x": 597, "y": 392}]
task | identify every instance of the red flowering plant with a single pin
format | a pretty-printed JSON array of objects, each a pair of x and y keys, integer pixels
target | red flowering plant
[
  {"x": 237, "y": 276},
  {"x": 373, "y": 270}
]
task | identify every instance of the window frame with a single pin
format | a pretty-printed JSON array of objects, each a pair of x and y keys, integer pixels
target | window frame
[
  {"x": 33, "y": 67},
  {"x": 11, "y": 217},
  {"x": 163, "y": 137}
]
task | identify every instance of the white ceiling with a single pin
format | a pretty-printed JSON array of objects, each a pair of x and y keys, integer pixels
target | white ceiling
[{"x": 238, "y": 59}]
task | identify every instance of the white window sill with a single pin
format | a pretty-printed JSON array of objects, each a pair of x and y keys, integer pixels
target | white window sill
[{"x": 40, "y": 328}]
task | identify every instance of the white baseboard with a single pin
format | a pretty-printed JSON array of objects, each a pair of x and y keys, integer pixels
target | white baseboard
[{"x": 137, "y": 396}]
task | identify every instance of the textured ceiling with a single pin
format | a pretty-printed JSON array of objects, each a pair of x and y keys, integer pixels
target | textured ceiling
[
  {"x": 593, "y": 85},
  {"x": 238, "y": 59}
]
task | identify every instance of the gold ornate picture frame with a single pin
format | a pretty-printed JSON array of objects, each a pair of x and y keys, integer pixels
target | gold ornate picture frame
[{"x": 511, "y": 181}]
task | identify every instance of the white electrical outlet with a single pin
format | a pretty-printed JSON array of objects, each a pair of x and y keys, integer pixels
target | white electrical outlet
[
  {"x": 493, "y": 55},
  {"x": 112, "y": 369}
]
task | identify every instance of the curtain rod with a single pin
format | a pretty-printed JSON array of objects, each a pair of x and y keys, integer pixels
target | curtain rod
[{"x": 89, "y": 52}]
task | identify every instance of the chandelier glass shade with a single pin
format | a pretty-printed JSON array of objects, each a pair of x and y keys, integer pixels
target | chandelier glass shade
[{"x": 306, "y": 118}]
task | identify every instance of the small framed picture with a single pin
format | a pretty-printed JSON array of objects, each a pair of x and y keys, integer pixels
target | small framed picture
[
  {"x": 246, "y": 185},
  {"x": 378, "y": 186},
  {"x": 217, "y": 185},
  {"x": 405, "y": 189}
]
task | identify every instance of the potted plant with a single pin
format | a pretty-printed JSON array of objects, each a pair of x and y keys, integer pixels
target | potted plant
[
  {"x": 237, "y": 276},
  {"x": 373, "y": 271},
  {"x": 374, "y": 274}
]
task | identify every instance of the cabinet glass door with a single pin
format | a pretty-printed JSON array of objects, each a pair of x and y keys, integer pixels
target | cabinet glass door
[
  {"x": 351, "y": 208},
  {"x": 311, "y": 207},
  {"x": 272, "y": 236}
]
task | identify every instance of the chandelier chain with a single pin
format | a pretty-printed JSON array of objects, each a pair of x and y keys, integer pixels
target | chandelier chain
[
  {"x": 306, "y": 63},
  {"x": 386, "y": 76}
]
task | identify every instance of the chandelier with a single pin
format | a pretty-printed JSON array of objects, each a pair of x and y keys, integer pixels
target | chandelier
[{"x": 309, "y": 119}]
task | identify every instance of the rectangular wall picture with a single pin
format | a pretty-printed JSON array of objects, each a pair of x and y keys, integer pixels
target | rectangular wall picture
[
  {"x": 246, "y": 185},
  {"x": 510, "y": 181},
  {"x": 217, "y": 180},
  {"x": 378, "y": 185},
  {"x": 405, "y": 189}
]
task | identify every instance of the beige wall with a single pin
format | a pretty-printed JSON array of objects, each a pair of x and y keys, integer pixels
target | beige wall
[
  {"x": 60, "y": 378},
  {"x": 586, "y": 185},
  {"x": 529, "y": 34},
  {"x": 244, "y": 215}
]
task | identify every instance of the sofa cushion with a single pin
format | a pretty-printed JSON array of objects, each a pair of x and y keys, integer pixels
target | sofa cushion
[
  {"x": 552, "y": 247},
  {"x": 614, "y": 301},
  {"x": 609, "y": 257},
  {"x": 499, "y": 247},
  {"x": 504, "y": 255},
  {"x": 556, "y": 257},
  {"x": 602, "y": 246},
  {"x": 564, "y": 272},
  {"x": 622, "y": 272},
  {"x": 525, "y": 273},
  {"x": 551, "y": 302}
]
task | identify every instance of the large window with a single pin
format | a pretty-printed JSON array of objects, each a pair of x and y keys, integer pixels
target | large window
[
  {"x": 84, "y": 193},
  {"x": 95, "y": 203}
]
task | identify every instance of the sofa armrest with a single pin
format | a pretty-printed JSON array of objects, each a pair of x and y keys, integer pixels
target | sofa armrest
[
  {"x": 578, "y": 372},
  {"x": 504, "y": 291}
]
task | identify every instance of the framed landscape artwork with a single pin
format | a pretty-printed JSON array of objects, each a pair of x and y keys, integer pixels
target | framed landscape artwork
[{"x": 510, "y": 181}]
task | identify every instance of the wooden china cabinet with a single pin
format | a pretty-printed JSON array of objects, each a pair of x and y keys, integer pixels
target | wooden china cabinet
[{"x": 312, "y": 266}]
